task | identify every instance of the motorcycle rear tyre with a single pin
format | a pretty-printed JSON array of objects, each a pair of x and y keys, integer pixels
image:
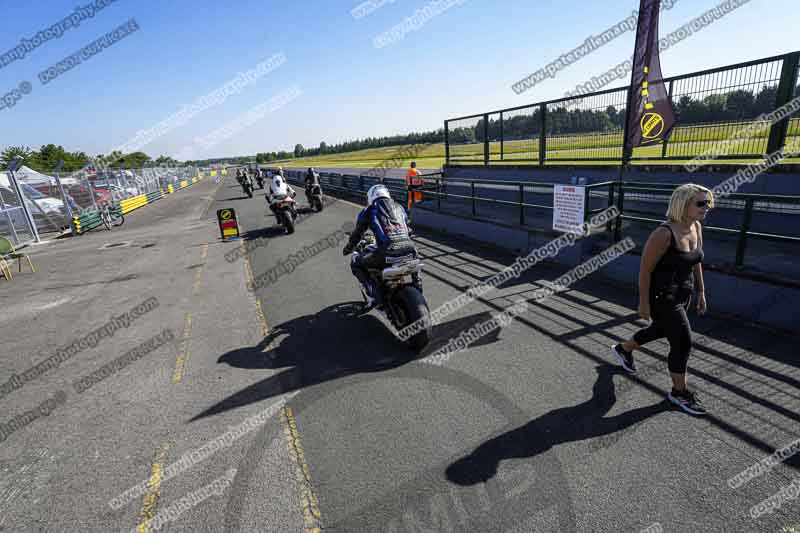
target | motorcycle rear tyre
[
  {"x": 288, "y": 222},
  {"x": 414, "y": 307}
]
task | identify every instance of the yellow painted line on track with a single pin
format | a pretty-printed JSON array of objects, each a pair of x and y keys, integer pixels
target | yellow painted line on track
[
  {"x": 150, "y": 500},
  {"x": 198, "y": 275},
  {"x": 213, "y": 197},
  {"x": 183, "y": 352},
  {"x": 248, "y": 270},
  {"x": 309, "y": 503}
]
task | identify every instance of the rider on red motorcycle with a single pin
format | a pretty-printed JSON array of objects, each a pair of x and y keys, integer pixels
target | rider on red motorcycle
[{"x": 279, "y": 190}]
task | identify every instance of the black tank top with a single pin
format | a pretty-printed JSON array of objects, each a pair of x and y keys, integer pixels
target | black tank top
[{"x": 673, "y": 275}]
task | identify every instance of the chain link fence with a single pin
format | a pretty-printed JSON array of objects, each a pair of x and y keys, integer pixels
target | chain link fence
[
  {"x": 52, "y": 200},
  {"x": 14, "y": 214}
]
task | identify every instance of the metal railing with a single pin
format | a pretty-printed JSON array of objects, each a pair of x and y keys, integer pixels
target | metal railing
[
  {"x": 16, "y": 218},
  {"x": 615, "y": 193},
  {"x": 710, "y": 105},
  {"x": 509, "y": 204},
  {"x": 356, "y": 185}
]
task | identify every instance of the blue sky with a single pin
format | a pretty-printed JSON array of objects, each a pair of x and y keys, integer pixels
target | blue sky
[{"x": 460, "y": 62}]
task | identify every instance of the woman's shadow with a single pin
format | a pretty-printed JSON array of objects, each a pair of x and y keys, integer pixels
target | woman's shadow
[{"x": 568, "y": 424}]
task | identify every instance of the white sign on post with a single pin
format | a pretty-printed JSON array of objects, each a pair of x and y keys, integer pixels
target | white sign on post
[{"x": 568, "y": 209}]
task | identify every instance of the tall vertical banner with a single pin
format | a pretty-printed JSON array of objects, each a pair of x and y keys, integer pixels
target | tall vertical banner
[{"x": 651, "y": 117}]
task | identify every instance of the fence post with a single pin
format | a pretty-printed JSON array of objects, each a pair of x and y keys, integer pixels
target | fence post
[
  {"x": 665, "y": 141},
  {"x": 501, "y": 136},
  {"x": 742, "y": 244},
  {"x": 611, "y": 190},
  {"x": 522, "y": 204},
  {"x": 446, "y": 142},
  {"x": 586, "y": 203},
  {"x": 620, "y": 207},
  {"x": 777, "y": 133},
  {"x": 474, "y": 211},
  {"x": 438, "y": 194},
  {"x": 543, "y": 134},
  {"x": 486, "y": 139}
]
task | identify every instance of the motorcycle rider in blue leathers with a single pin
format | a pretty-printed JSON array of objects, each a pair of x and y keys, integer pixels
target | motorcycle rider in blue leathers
[{"x": 388, "y": 222}]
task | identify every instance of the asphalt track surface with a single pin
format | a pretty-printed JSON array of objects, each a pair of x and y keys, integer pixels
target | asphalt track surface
[{"x": 532, "y": 428}]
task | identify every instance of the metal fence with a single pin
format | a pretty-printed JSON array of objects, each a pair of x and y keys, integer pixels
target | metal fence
[
  {"x": 710, "y": 106},
  {"x": 756, "y": 233},
  {"x": 750, "y": 235},
  {"x": 52, "y": 199},
  {"x": 15, "y": 215}
]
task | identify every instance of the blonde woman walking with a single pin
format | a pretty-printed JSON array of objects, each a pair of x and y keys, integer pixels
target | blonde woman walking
[{"x": 671, "y": 270}]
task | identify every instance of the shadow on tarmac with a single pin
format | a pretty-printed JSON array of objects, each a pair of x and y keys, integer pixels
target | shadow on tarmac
[
  {"x": 568, "y": 424},
  {"x": 336, "y": 342},
  {"x": 570, "y": 308},
  {"x": 235, "y": 198}
]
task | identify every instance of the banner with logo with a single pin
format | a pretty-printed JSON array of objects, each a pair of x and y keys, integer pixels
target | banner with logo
[{"x": 651, "y": 117}]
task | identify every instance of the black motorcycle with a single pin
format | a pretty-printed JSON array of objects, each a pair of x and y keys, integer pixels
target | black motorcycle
[
  {"x": 247, "y": 185},
  {"x": 260, "y": 180},
  {"x": 314, "y": 195},
  {"x": 403, "y": 301}
]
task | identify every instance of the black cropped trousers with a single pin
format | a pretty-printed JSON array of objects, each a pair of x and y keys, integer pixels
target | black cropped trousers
[{"x": 671, "y": 321}]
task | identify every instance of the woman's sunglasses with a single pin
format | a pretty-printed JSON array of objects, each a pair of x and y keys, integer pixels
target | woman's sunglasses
[{"x": 703, "y": 203}]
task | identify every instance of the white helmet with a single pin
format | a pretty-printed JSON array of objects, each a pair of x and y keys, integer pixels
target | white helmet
[{"x": 377, "y": 191}]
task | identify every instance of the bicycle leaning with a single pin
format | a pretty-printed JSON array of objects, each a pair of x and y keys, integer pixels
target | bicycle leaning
[{"x": 111, "y": 217}]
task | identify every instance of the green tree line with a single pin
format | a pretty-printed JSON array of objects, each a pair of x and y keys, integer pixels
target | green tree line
[{"x": 47, "y": 157}]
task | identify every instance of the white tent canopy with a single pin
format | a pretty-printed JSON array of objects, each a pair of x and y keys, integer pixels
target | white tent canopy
[{"x": 33, "y": 178}]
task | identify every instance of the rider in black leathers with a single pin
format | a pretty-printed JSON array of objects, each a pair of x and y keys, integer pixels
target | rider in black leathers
[
  {"x": 312, "y": 178},
  {"x": 388, "y": 222}
]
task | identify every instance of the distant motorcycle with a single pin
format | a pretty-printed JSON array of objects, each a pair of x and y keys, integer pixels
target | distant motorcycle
[
  {"x": 314, "y": 195},
  {"x": 247, "y": 185},
  {"x": 286, "y": 211},
  {"x": 404, "y": 303},
  {"x": 260, "y": 180}
]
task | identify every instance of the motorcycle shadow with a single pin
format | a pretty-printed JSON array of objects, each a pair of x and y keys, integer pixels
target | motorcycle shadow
[
  {"x": 245, "y": 197},
  {"x": 312, "y": 349},
  {"x": 334, "y": 343},
  {"x": 442, "y": 334},
  {"x": 264, "y": 233}
]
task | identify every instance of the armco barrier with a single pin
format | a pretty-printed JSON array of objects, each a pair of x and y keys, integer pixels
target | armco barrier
[
  {"x": 133, "y": 203},
  {"x": 153, "y": 196},
  {"x": 89, "y": 220}
]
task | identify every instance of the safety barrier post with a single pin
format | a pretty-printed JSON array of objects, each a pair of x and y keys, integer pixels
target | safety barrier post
[{"x": 742, "y": 244}]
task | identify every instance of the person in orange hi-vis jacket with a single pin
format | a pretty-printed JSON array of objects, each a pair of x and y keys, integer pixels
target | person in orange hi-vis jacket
[{"x": 413, "y": 178}]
